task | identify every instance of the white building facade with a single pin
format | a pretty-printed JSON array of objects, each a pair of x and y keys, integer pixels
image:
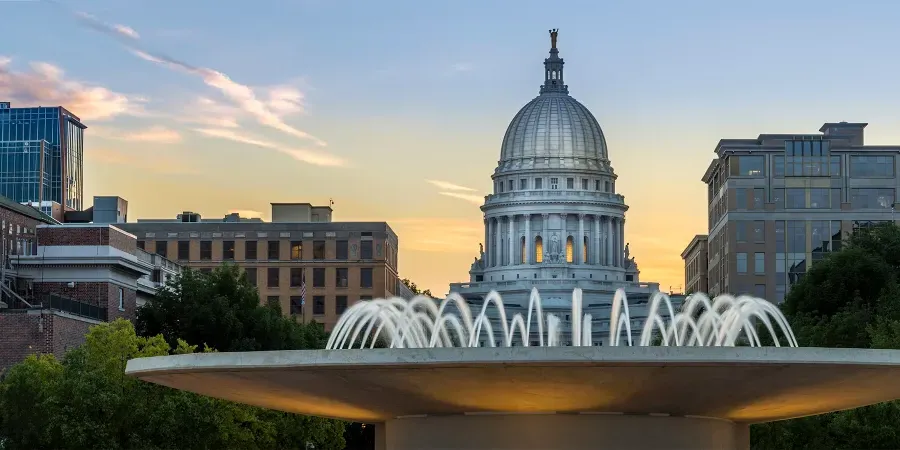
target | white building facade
[{"x": 554, "y": 220}]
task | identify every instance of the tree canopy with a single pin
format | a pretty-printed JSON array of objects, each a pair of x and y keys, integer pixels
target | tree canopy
[
  {"x": 415, "y": 289},
  {"x": 85, "y": 401},
  {"x": 221, "y": 309},
  {"x": 851, "y": 299}
]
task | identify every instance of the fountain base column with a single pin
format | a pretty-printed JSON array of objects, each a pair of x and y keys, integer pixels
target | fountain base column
[{"x": 562, "y": 432}]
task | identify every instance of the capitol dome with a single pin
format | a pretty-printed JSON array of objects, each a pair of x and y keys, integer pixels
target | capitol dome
[{"x": 554, "y": 130}]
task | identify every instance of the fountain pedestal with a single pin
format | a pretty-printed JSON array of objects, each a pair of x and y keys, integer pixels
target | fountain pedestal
[{"x": 560, "y": 431}]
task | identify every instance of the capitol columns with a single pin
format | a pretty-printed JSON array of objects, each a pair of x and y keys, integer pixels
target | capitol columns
[
  {"x": 487, "y": 243},
  {"x": 544, "y": 240},
  {"x": 512, "y": 239},
  {"x": 528, "y": 240},
  {"x": 581, "y": 250},
  {"x": 622, "y": 242},
  {"x": 498, "y": 261},
  {"x": 595, "y": 241},
  {"x": 609, "y": 241}
]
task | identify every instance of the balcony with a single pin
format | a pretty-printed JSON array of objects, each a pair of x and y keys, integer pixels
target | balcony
[{"x": 554, "y": 195}]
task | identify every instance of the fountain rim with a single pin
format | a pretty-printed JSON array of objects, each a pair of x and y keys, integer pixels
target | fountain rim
[{"x": 411, "y": 358}]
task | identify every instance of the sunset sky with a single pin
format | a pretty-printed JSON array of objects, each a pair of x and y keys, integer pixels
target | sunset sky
[{"x": 396, "y": 109}]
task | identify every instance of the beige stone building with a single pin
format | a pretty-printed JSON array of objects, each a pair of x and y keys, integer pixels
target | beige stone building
[
  {"x": 780, "y": 202},
  {"x": 340, "y": 262},
  {"x": 696, "y": 269}
]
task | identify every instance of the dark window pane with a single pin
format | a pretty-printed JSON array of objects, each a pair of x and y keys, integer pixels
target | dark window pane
[
  {"x": 296, "y": 305},
  {"x": 184, "y": 250},
  {"x": 319, "y": 304},
  {"x": 274, "y": 250},
  {"x": 340, "y": 304},
  {"x": 140, "y": 245},
  {"x": 272, "y": 278},
  {"x": 319, "y": 277},
  {"x": 250, "y": 250},
  {"x": 296, "y": 276},
  {"x": 318, "y": 249},
  {"x": 341, "y": 277},
  {"x": 365, "y": 277},
  {"x": 161, "y": 248},
  {"x": 341, "y": 250},
  {"x": 227, "y": 250},
  {"x": 205, "y": 250},
  {"x": 365, "y": 250},
  {"x": 251, "y": 275}
]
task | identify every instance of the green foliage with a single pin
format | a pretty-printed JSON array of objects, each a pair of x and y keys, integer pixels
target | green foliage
[
  {"x": 222, "y": 310},
  {"x": 415, "y": 289},
  {"x": 87, "y": 402},
  {"x": 850, "y": 300}
]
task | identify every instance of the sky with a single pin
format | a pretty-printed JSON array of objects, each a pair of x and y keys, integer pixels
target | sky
[{"x": 396, "y": 109}]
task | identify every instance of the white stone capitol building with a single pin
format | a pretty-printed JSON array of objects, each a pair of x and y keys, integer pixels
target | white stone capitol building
[{"x": 554, "y": 220}]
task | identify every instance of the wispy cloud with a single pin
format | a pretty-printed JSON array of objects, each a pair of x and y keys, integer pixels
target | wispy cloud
[
  {"x": 247, "y": 213},
  {"x": 46, "y": 84},
  {"x": 158, "y": 162},
  {"x": 310, "y": 157},
  {"x": 471, "y": 198},
  {"x": 448, "y": 186},
  {"x": 127, "y": 31},
  {"x": 463, "y": 67}
]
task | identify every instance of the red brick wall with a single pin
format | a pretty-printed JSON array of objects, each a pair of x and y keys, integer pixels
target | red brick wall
[
  {"x": 104, "y": 295},
  {"x": 23, "y": 334},
  {"x": 99, "y": 235},
  {"x": 18, "y": 223}
]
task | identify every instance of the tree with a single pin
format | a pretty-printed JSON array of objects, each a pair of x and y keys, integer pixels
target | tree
[
  {"x": 221, "y": 309},
  {"x": 86, "y": 402},
  {"x": 415, "y": 289},
  {"x": 850, "y": 299}
]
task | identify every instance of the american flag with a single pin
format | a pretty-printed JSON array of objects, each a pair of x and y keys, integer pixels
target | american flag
[{"x": 303, "y": 290}]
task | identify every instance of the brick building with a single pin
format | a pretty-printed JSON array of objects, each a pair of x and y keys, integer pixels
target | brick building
[
  {"x": 59, "y": 280},
  {"x": 339, "y": 263}
]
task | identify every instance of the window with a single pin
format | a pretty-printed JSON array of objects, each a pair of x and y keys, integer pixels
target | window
[
  {"x": 512, "y": 185},
  {"x": 795, "y": 198},
  {"x": 340, "y": 304},
  {"x": 296, "y": 305},
  {"x": 319, "y": 277},
  {"x": 748, "y": 166},
  {"x": 227, "y": 250},
  {"x": 871, "y": 198},
  {"x": 341, "y": 250},
  {"x": 759, "y": 263},
  {"x": 758, "y": 195},
  {"x": 584, "y": 251},
  {"x": 161, "y": 247},
  {"x": 523, "y": 184},
  {"x": 819, "y": 198},
  {"x": 296, "y": 276},
  {"x": 554, "y": 183},
  {"x": 538, "y": 183},
  {"x": 538, "y": 250},
  {"x": 871, "y": 166},
  {"x": 740, "y": 231},
  {"x": 205, "y": 250},
  {"x": 778, "y": 197},
  {"x": 251, "y": 275},
  {"x": 584, "y": 184},
  {"x": 341, "y": 276},
  {"x": 272, "y": 277},
  {"x": 759, "y": 290},
  {"x": 184, "y": 250},
  {"x": 318, "y": 305},
  {"x": 296, "y": 250},
  {"x": 570, "y": 252},
  {"x": 274, "y": 250},
  {"x": 121, "y": 299},
  {"x": 570, "y": 183},
  {"x": 140, "y": 244},
  {"x": 759, "y": 231},
  {"x": 835, "y": 198},
  {"x": 319, "y": 250},
  {"x": 206, "y": 271},
  {"x": 273, "y": 300},
  {"x": 742, "y": 263},
  {"x": 740, "y": 198},
  {"x": 250, "y": 250},
  {"x": 597, "y": 185},
  {"x": 365, "y": 277},
  {"x": 365, "y": 250}
]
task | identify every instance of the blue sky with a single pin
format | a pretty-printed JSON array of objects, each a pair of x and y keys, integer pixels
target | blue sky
[{"x": 408, "y": 91}]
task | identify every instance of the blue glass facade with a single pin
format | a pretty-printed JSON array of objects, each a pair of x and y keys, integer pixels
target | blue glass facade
[
  {"x": 63, "y": 133},
  {"x": 25, "y": 170}
]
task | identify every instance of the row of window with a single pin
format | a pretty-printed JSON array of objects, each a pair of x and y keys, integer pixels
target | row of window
[
  {"x": 297, "y": 277},
  {"x": 811, "y": 166},
  {"x": 319, "y": 303},
  {"x": 815, "y": 198},
  {"x": 554, "y": 183},
  {"x": 273, "y": 250}
]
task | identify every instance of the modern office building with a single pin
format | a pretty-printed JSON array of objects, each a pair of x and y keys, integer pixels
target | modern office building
[
  {"x": 778, "y": 203},
  {"x": 696, "y": 269},
  {"x": 313, "y": 267},
  {"x": 555, "y": 220},
  {"x": 41, "y": 150}
]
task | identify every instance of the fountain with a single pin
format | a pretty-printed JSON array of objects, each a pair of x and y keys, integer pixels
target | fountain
[
  {"x": 421, "y": 323},
  {"x": 695, "y": 376}
]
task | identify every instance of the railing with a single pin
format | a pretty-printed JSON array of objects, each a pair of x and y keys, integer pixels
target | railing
[
  {"x": 158, "y": 261},
  {"x": 555, "y": 195},
  {"x": 557, "y": 282},
  {"x": 74, "y": 307}
]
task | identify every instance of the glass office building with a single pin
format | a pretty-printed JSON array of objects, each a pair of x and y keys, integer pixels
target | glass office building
[{"x": 59, "y": 135}]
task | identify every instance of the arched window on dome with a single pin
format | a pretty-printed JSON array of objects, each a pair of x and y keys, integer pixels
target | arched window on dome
[
  {"x": 570, "y": 251},
  {"x": 538, "y": 250},
  {"x": 584, "y": 252},
  {"x": 524, "y": 251}
]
